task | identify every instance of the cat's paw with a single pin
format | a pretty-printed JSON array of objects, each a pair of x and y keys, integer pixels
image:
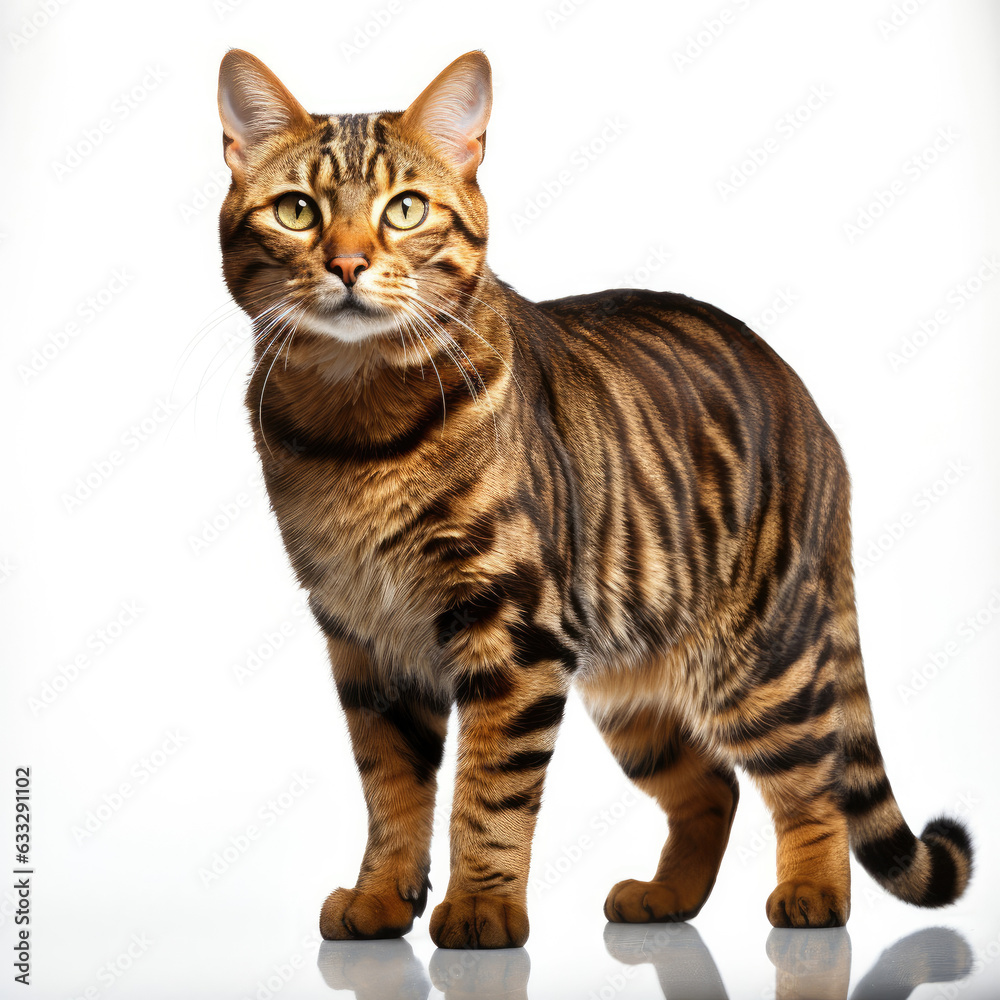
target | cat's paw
[
  {"x": 350, "y": 914},
  {"x": 806, "y": 904},
  {"x": 479, "y": 921},
  {"x": 634, "y": 902}
]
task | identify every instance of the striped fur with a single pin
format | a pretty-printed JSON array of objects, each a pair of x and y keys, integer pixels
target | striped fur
[{"x": 489, "y": 499}]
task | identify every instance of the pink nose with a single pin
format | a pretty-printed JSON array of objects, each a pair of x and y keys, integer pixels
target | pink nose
[{"x": 348, "y": 268}]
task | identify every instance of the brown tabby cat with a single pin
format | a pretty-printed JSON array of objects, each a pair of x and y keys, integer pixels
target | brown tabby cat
[{"x": 489, "y": 498}]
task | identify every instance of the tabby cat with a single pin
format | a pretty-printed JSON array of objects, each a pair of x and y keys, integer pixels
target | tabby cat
[{"x": 489, "y": 499}]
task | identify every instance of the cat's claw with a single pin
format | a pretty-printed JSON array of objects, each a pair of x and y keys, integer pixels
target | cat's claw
[{"x": 479, "y": 921}]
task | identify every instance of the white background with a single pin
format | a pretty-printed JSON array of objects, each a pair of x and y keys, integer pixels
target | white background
[{"x": 174, "y": 709}]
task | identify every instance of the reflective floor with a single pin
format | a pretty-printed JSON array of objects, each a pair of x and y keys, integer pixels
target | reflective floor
[{"x": 810, "y": 964}]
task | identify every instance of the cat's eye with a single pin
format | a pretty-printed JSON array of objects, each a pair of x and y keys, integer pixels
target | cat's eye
[
  {"x": 406, "y": 211},
  {"x": 296, "y": 211}
]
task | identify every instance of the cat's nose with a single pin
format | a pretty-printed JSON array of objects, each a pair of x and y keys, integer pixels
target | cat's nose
[{"x": 347, "y": 268}]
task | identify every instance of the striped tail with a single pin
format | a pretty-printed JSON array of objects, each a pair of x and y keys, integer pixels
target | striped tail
[{"x": 930, "y": 871}]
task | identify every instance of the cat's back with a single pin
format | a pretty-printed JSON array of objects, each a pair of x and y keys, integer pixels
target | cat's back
[
  {"x": 666, "y": 329},
  {"x": 682, "y": 359}
]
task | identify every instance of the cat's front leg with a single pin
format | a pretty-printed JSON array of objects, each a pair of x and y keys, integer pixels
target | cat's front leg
[
  {"x": 397, "y": 733},
  {"x": 508, "y": 719}
]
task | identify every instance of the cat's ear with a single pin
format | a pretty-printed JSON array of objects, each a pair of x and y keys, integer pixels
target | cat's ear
[
  {"x": 253, "y": 105},
  {"x": 453, "y": 111}
]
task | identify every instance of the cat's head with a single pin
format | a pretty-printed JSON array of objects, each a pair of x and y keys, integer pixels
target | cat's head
[{"x": 351, "y": 228}]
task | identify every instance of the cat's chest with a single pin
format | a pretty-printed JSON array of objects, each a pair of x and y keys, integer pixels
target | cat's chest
[{"x": 356, "y": 537}]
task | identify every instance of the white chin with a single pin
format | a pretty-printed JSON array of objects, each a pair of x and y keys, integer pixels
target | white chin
[{"x": 350, "y": 326}]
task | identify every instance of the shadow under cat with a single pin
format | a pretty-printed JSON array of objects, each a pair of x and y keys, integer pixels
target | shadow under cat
[{"x": 812, "y": 964}]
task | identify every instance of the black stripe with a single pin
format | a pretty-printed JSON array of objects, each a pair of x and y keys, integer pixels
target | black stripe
[
  {"x": 491, "y": 684},
  {"x": 890, "y": 856},
  {"x": 423, "y": 745},
  {"x": 805, "y": 752},
  {"x": 458, "y": 223},
  {"x": 859, "y": 801},
  {"x": 943, "y": 885},
  {"x": 818, "y": 839},
  {"x": 542, "y": 714},
  {"x": 478, "y": 609},
  {"x": 477, "y": 538},
  {"x": 535, "y": 643},
  {"x": 524, "y": 760},
  {"x": 951, "y": 830},
  {"x": 805, "y": 704},
  {"x": 653, "y": 762},
  {"x": 526, "y": 799},
  {"x": 863, "y": 750}
]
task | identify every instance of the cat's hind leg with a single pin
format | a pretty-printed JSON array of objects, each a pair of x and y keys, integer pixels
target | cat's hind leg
[
  {"x": 697, "y": 792},
  {"x": 782, "y": 725}
]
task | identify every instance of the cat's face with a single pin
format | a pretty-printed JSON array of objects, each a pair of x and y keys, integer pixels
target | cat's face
[{"x": 353, "y": 229}]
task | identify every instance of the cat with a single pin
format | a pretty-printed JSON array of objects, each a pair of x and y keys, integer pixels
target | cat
[{"x": 490, "y": 499}]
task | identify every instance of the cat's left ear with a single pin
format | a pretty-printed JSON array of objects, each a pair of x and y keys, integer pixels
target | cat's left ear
[
  {"x": 453, "y": 111},
  {"x": 254, "y": 105}
]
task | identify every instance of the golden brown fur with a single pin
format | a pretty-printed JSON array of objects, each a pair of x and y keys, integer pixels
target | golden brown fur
[{"x": 489, "y": 499}]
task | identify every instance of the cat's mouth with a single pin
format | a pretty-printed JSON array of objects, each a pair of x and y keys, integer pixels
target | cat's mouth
[{"x": 348, "y": 317}]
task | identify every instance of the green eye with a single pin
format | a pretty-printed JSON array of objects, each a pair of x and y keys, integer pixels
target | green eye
[
  {"x": 406, "y": 211},
  {"x": 296, "y": 211}
]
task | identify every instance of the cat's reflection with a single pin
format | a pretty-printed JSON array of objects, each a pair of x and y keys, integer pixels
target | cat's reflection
[
  {"x": 378, "y": 970},
  {"x": 374, "y": 970},
  {"x": 809, "y": 964}
]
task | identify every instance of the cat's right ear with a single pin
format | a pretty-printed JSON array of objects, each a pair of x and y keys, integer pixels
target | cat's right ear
[{"x": 254, "y": 105}]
